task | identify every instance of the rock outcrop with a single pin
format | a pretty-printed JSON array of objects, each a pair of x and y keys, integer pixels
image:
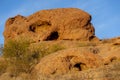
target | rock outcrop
[
  {"x": 110, "y": 72},
  {"x": 64, "y": 46},
  {"x": 54, "y": 24},
  {"x": 68, "y": 60}
]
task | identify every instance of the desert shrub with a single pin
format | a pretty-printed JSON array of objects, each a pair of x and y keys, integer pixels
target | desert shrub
[
  {"x": 3, "y": 66},
  {"x": 45, "y": 49},
  {"x": 15, "y": 48},
  {"x": 20, "y": 59}
]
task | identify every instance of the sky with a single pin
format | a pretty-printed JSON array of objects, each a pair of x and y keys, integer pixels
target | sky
[{"x": 105, "y": 13}]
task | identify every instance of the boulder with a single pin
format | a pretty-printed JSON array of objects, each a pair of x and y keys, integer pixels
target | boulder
[
  {"x": 64, "y": 61},
  {"x": 54, "y": 24}
]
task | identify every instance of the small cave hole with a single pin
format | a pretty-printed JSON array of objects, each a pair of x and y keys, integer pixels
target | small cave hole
[
  {"x": 79, "y": 66},
  {"x": 38, "y": 40},
  {"x": 90, "y": 38},
  {"x": 53, "y": 36},
  {"x": 113, "y": 59},
  {"x": 32, "y": 28},
  {"x": 107, "y": 63}
]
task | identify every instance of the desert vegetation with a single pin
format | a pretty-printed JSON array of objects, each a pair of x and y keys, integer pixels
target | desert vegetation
[{"x": 21, "y": 57}]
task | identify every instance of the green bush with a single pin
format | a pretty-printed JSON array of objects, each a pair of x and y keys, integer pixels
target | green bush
[
  {"x": 15, "y": 48},
  {"x": 19, "y": 57}
]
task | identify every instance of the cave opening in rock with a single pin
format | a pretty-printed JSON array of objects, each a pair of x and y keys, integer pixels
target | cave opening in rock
[
  {"x": 53, "y": 36},
  {"x": 32, "y": 28},
  {"x": 79, "y": 66}
]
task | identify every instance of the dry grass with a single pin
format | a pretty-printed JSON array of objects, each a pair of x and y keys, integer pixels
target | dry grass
[
  {"x": 86, "y": 44},
  {"x": 45, "y": 49},
  {"x": 3, "y": 66}
]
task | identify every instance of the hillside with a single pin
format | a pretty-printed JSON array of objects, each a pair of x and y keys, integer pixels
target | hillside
[{"x": 57, "y": 44}]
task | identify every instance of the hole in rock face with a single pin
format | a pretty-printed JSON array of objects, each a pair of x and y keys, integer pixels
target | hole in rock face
[
  {"x": 32, "y": 28},
  {"x": 77, "y": 66},
  {"x": 53, "y": 36},
  {"x": 113, "y": 59},
  {"x": 80, "y": 66},
  {"x": 90, "y": 38}
]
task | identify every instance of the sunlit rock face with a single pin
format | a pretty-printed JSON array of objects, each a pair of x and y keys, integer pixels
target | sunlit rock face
[{"x": 54, "y": 24}]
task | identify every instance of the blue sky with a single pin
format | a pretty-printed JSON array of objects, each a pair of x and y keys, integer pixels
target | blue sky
[{"x": 105, "y": 13}]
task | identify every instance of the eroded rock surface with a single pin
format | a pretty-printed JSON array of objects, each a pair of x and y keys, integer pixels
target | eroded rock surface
[
  {"x": 54, "y": 24},
  {"x": 76, "y": 59}
]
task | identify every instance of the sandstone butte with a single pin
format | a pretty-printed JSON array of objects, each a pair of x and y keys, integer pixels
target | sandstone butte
[{"x": 84, "y": 57}]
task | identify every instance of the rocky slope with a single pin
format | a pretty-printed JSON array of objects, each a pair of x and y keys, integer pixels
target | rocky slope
[{"x": 76, "y": 53}]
